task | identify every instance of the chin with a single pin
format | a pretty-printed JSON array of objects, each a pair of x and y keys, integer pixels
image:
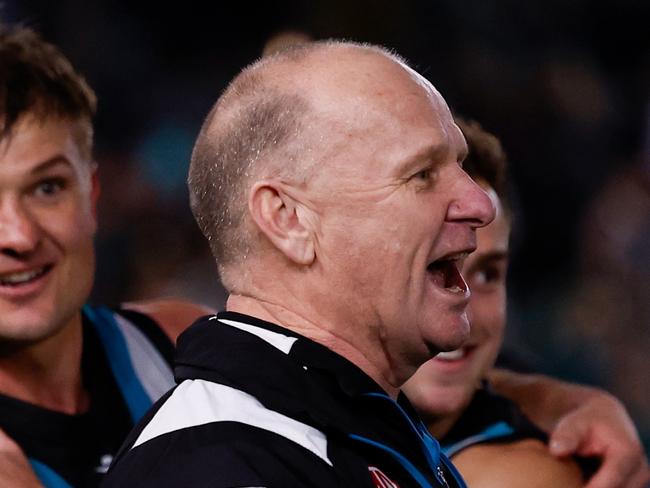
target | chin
[
  {"x": 30, "y": 324},
  {"x": 439, "y": 401},
  {"x": 451, "y": 342},
  {"x": 17, "y": 333},
  {"x": 450, "y": 333}
]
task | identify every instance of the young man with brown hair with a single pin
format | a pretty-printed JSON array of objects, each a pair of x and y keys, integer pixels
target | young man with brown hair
[{"x": 73, "y": 378}]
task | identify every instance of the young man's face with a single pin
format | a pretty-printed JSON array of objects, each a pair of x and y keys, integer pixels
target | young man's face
[
  {"x": 444, "y": 385},
  {"x": 48, "y": 193}
]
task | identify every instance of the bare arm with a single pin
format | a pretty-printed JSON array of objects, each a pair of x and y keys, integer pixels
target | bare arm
[
  {"x": 15, "y": 470},
  {"x": 173, "y": 316},
  {"x": 522, "y": 464},
  {"x": 583, "y": 421}
]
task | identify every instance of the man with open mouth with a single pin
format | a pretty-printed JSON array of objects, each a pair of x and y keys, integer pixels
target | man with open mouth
[
  {"x": 74, "y": 378},
  {"x": 328, "y": 181},
  {"x": 487, "y": 436}
]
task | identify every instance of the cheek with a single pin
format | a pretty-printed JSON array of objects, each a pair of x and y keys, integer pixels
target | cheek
[
  {"x": 487, "y": 315},
  {"x": 72, "y": 227}
]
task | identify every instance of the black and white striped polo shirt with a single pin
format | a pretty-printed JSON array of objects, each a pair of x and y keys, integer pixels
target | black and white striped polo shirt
[{"x": 259, "y": 405}]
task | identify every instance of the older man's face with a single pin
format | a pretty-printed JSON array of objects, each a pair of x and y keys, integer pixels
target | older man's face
[
  {"x": 445, "y": 385},
  {"x": 397, "y": 216}
]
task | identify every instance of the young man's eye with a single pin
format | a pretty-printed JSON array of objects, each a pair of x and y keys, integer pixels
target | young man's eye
[
  {"x": 487, "y": 277},
  {"x": 50, "y": 187}
]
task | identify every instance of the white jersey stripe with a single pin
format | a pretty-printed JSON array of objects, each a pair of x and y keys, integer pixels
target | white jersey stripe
[
  {"x": 154, "y": 373},
  {"x": 280, "y": 341},
  {"x": 199, "y": 402}
]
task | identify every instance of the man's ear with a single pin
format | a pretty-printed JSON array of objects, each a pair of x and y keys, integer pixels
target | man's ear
[{"x": 276, "y": 214}]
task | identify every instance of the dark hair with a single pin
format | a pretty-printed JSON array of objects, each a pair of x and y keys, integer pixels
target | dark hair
[
  {"x": 36, "y": 78},
  {"x": 486, "y": 159}
]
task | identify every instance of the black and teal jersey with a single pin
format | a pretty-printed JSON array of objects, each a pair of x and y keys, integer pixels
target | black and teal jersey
[
  {"x": 489, "y": 418},
  {"x": 125, "y": 367}
]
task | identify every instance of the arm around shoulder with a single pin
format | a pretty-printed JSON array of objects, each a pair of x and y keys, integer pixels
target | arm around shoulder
[
  {"x": 522, "y": 464},
  {"x": 172, "y": 315},
  {"x": 583, "y": 421}
]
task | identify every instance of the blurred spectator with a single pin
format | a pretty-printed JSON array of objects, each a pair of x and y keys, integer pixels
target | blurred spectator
[{"x": 610, "y": 307}]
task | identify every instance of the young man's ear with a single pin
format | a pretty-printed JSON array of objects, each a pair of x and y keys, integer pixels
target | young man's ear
[{"x": 277, "y": 215}]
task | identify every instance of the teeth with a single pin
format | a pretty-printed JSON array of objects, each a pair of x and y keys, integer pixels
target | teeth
[
  {"x": 455, "y": 289},
  {"x": 451, "y": 355},
  {"x": 452, "y": 257},
  {"x": 455, "y": 257},
  {"x": 22, "y": 277}
]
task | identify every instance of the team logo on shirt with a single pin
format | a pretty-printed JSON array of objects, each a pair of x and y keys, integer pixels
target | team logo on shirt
[
  {"x": 104, "y": 463},
  {"x": 380, "y": 479}
]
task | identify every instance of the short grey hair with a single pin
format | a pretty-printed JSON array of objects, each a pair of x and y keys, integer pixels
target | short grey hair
[{"x": 254, "y": 120}]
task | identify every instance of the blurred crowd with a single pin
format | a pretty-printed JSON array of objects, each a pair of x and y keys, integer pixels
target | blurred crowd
[{"x": 564, "y": 84}]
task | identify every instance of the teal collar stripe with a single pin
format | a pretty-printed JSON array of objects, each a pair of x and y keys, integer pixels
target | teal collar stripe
[
  {"x": 430, "y": 448},
  {"x": 48, "y": 477},
  {"x": 406, "y": 464},
  {"x": 494, "y": 431},
  {"x": 119, "y": 360}
]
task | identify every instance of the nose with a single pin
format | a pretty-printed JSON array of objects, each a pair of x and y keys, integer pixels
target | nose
[
  {"x": 19, "y": 231},
  {"x": 471, "y": 203}
]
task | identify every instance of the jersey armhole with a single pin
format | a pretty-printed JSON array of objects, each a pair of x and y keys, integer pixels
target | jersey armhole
[{"x": 152, "y": 331}]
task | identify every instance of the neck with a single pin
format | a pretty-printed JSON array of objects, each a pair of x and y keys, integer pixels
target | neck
[
  {"x": 319, "y": 331},
  {"x": 47, "y": 373},
  {"x": 441, "y": 425}
]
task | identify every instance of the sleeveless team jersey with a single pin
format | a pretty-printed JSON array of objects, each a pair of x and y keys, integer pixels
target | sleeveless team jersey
[
  {"x": 489, "y": 418},
  {"x": 126, "y": 366}
]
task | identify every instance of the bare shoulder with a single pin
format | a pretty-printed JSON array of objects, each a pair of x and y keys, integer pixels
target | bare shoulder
[
  {"x": 525, "y": 463},
  {"x": 173, "y": 315}
]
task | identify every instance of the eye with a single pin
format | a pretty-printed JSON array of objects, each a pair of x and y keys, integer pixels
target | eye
[
  {"x": 488, "y": 277},
  {"x": 49, "y": 187},
  {"x": 485, "y": 276},
  {"x": 424, "y": 174}
]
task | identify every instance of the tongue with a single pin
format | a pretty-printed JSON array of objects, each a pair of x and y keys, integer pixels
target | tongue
[
  {"x": 445, "y": 275},
  {"x": 437, "y": 276}
]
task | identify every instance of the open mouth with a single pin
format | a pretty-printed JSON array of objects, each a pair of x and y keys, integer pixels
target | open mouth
[
  {"x": 23, "y": 277},
  {"x": 445, "y": 273}
]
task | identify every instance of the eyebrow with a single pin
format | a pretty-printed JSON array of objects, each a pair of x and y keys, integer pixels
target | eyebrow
[
  {"x": 57, "y": 160},
  {"x": 492, "y": 256},
  {"x": 428, "y": 153}
]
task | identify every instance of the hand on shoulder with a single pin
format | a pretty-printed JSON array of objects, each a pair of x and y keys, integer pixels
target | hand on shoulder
[
  {"x": 583, "y": 421},
  {"x": 173, "y": 315},
  {"x": 521, "y": 464},
  {"x": 601, "y": 427}
]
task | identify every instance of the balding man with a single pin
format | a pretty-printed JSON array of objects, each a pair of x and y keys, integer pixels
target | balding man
[{"x": 328, "y": 182}]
